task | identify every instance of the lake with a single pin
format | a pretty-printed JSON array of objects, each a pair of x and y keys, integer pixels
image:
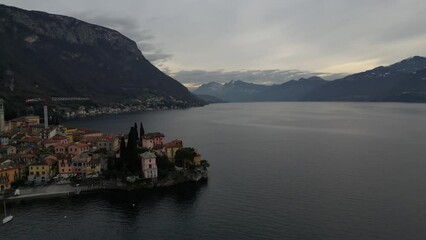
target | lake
[{"x": 286, "y": 170}]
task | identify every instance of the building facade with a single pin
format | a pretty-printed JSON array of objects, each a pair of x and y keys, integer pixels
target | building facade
[
  {"x": 150, "y": 140},
  {"x": 149, "y": 165}
]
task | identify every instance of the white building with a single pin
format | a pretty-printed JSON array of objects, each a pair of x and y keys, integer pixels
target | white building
[{"x": 149, "y": 165}]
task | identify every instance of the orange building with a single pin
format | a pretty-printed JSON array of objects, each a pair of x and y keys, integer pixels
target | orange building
[
  {"x": 64, "y": 164},
  {"x": 8, "y": 175}
]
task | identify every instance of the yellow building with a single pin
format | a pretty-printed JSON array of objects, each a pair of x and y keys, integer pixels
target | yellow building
[
  {"x": 197, "y": 159},
  {"x": 43, "y": 171},
  {"x": 171, "y": 148},
  {"x": 8, "y": 175},
  {"x": 94, "y": 166}
]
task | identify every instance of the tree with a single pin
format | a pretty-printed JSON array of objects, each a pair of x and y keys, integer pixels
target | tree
[
  {"x": 136, "y": 131},
  {"x": 164, "y": 166},
  {"x": 184, "y": 157},
  {"x": 122, "y": 148},
  {"x": 132, "y": 157},
  {"x": 142, "y": 131}
]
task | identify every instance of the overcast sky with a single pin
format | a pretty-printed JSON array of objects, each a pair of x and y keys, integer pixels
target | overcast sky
[{"x": 263, "y": 41}]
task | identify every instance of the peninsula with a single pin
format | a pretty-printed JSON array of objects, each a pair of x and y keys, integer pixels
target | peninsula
[{"x": 38, "y": 160}]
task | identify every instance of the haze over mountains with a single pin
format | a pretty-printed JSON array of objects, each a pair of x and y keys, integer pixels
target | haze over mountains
[
  {"x": 43, "y": 55},
  {"x": 47, "y": 55},
  {"x": 404, "y": 81}
]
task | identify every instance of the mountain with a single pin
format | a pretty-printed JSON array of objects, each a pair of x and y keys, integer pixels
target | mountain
[
  {"x": 210, "y": 99},
  {"x": 234, "y": 91},
  {"x": 404, "y": 81},
  {"x": 239, "y": 91},
  {"x": 388, "y": 83},
  {"x": 294, "y": 90},
  {"x": 44, "y": 55}
]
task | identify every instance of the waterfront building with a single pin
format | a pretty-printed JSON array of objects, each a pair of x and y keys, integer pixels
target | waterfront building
[
  {"x": 94, "y": 166},
  {"x": 64, "y": 163},
  {"x": 43, "y": 171},
  {"x": 8, "y": 175},
  {"x": 170, "y": 148},
  {"x": 79, "y": 166},
  {"x": 197, "y": 159},
  {"x": 149, "y": 165},
  {"x": 150, "y": 140}
]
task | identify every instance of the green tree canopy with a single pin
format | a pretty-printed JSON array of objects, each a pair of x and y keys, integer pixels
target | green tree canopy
[{"x": 184, "y": 157}]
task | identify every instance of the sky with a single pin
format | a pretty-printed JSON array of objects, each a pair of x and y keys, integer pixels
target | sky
[{"x": 259, "y": 41}]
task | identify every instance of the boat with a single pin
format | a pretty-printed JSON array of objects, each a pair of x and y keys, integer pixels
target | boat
[{"x": 6, "y": 218}]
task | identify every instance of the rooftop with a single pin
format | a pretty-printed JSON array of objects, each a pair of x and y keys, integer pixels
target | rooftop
[{"x": 153, "y": 135}]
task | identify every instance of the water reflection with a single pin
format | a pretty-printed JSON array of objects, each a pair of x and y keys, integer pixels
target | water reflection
[{"x": 120, "y": 212}]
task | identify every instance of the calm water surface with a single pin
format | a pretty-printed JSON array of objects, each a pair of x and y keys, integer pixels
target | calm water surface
[{"x": 278, "y": 171}]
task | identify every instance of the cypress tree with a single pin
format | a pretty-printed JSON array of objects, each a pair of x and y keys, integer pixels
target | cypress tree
[
  {"x": 142, "y": 131},
  {"x": 122, "y": 148},
  {"x": 136, "y": 131},
  {"x": 122, "y": 152},
  {"x": 132, "y": 151}
]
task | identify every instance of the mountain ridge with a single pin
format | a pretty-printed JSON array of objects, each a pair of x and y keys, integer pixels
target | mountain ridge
[
  {"x": 43, "y": 54},
  {"x": 402, "y": 81}
]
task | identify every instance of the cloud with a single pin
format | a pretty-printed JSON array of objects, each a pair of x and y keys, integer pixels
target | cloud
[
  {"x": 194, "y": 78},
  {"x": 130, "y": 28},
  {"x": 316, "y": 36}
]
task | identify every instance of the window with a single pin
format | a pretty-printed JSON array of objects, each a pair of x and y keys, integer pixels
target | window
[{"x": 63, "y": 170}]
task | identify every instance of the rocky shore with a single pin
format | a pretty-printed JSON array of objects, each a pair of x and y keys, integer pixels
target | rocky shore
[{"x": 97, "y": 185}]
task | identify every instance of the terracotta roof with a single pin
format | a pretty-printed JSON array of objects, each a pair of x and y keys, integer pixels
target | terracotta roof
[
  {"x": 63, "y": 145},
  {"x": 89, "y": 139},
  {"x": 32, "y": 140},
  {"x": 79, "y": 144},
  {"x": 158, "y": 146},
  {"x": 49, "y": 141},
  {"x": 153, "y": 135},
  {"x": 5, "y": 168},
  {"x": 174, "y": 144},
  {"x": 88, "y": 131},
  {"x": 148, "y": 155},
  {"x": 58, "y": 137}
]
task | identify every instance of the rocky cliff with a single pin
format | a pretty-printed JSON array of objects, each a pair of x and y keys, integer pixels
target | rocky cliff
[{"x": 45, "y": 55}]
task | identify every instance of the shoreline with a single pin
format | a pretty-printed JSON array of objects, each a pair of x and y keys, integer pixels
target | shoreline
[{"x": 69, "y": 190}]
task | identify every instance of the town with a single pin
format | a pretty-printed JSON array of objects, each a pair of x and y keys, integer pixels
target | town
[{"x": 36, "y": 155}]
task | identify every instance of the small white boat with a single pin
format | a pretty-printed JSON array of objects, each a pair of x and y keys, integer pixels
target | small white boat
[{"x": 6, "y": 218}]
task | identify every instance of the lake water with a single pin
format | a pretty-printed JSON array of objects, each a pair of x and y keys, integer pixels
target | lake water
[{"x": 278, "y": 171}]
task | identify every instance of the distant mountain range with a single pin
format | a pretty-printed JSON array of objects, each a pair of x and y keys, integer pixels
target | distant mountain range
[
  {"x": 404, "y": 81},
  {"x": 44, "y": 55}
]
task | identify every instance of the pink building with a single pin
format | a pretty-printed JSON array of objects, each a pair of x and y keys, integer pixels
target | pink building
[
  {"x": 150, "y": 140},
  {"x": 149, "y": 165}
]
